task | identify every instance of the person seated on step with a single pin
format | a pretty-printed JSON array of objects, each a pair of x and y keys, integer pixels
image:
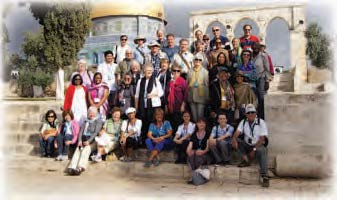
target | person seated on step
[
  {"x": 67, "y": 135},
  {"x": 112, "y": 127},
  {"x": 102, "y": 140},
  {"x": 130, "y": 134},
  {"x": 254, "y": 142},
  {"x": 182, "y": 137},
  {"x": 86, "y": 142},
  {"x": 220, "y": 141},
  {"x": 47, "y": 134},
  {"x": 197, "y": 150},
  {"x": 158, "y": 137}
]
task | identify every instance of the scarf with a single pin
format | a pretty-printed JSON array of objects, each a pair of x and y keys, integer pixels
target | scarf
[
  {"x": 195, "y": 78},
  {"x": 229, "y": 93},
  {"x": 149, "y": 88},
  {"x": 97, "y": 90},
  {"x": 172, "y": 85},
  {"x": 68, "y": 100}
]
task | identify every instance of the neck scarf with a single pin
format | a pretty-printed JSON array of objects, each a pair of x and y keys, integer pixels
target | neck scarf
[
  {"x": 195, "y": 79},
  {"x": 172, "y": 85}
]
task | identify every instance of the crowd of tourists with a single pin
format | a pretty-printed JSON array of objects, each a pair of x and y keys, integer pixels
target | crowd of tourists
[{"x": 203, "y": 100}]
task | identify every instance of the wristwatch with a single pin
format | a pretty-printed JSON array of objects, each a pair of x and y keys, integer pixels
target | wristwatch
[{"x": 254, "y": 149}]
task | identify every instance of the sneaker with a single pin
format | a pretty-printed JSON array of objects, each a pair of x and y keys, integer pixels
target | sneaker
[
  {"x": 156, "y": 162},
  {"x": 128, "y": 159},
  {"x": 98, "y": 159},
  {"x": 64, "y": 157},
  {"x": 92, "y": 157},
  {"x": 148, "y": 164},
  {"x": 243, "y": 164},
  {"x": 58, "y": 158},
  {"x": 265, "y": 181},
  {"x": 123, "y": 158}
]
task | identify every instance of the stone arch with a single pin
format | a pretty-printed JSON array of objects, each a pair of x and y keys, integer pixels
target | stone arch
[{"x": 238, "y": 32}]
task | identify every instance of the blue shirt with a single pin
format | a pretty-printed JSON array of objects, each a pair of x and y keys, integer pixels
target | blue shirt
[
  {"x": 228, "y": 129},
  {"x": 160, "y": 131},
  {"x": 170, "y": 52}
]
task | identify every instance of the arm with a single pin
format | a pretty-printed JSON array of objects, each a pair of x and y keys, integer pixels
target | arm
[
  {"x": 98, "y": 127},
  {"x": 76, "y": 130},
  {"x": 105, "y": 96}
]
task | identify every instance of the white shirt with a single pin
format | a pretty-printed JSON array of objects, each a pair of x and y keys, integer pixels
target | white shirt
[
  {"x": 181, "y": 132},
  {"x": 120, "y": 52},
  {"x": 253, "y": 131},
  {"x": 79, "y": 105},
  {"x": 136, "y": 128},
  {"x": 156, "y": 90},
  {"x": 108, "y": 74},
  {"x": 188, "y": 57}
]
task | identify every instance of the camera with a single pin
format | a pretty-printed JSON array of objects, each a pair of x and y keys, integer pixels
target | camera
[
  {"x": 121, "y": 142},
  {"x": 250, "y": 140}
]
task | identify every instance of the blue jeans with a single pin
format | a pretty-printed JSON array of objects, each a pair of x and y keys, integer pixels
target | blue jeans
[
  {"x": 151, "y": 145},
  {"x": 47, "y": 146},
  {"x": 62, "y": 148}
]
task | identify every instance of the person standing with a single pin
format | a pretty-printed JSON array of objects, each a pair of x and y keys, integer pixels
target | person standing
[
  {"x": 224, "y": 40},
  {"x": 248, "y": 39},
  {"x": 120, "y": 49},
  {"x": 140, "y": 50}
]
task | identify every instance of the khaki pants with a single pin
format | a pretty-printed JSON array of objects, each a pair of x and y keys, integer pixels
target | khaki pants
[{"x": 81, "y": 157}]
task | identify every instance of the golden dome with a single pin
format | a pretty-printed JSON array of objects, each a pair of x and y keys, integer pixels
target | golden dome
[{"x": 104, "y": 8}]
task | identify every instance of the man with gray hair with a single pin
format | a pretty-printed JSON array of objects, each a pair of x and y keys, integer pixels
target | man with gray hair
[
  {"x": 124, "y": 66},
  {"x": 183, "y": 58}
]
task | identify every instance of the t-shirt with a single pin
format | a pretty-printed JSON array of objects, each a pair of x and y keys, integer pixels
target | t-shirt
[
  {"x": 137, "y": 127},
  {"x": 181, "y": 132},
  {"x": 160, "y": 131},
  {"x": 222, "y": 131},
  {"x": 253, "y": 131}
]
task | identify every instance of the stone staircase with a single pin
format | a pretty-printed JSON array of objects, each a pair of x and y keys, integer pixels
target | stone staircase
[{"x": 282, "y": 82}]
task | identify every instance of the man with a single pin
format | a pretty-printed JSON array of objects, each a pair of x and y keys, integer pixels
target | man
[
  {"x": 220, "y": 140},
  {"x": 120, "y": 49},
  {"x": 247, "y": 40},
  {"x": 125, "y": 65},
  {"x": 108, "y": 70},
  {"x": 183, "y": 58},
  {"x": 224, "y": 40},
  {"x": 141, "y": 50},
  {"x": 161, "y": 38},
  {"x": 198, "y": 35},
  {"x": 171, "y": 48},
  {"x": 264, "y": 76},
  {"x": 254, "y": 142},
  {"x": 271, "y": 66},
  {"x": 154, "y": 56}
]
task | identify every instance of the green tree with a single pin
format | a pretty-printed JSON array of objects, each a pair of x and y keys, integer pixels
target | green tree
[{"x": 318, "y": 46}]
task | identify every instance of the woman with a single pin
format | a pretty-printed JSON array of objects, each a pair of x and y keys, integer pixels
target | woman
[
  {"x": 86, "y": 142},
  {"x": 136, "y": 73},
  {"x": 158, "y": 137},
  {"x": 182, "y": 137},
  {"x": 198, "y": 146},
  {"x": 221, "y": 62},
  {"x": 87, "y": 76},
  {"x": 164, "y": 77},
  {"x": 214, "y": 53},
  {"x": 66, "y": 135},
  {"x": 126, "y": 93},
  {"x": 176, "y": 97},
  {"x": 200, "y": 49},
  {"x": 75, "y": 99},
  {"x": 98, "y": 94},
  {"x": 147, "y": 98},
  {"x": 48, "y": 133},
  {"x": 130, "y": 134},
  {"x": 197, "y": 88},
  {"x": 112, "y": 128},
  {"x": 248, "y": 68}
]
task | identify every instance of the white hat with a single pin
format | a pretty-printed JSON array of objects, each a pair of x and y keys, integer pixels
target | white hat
[
  {"x": 153, "y": 43},
  {"x": 250, "y": 108},
  {"x": 198, "y": 56},
  {"x": 139, "y": 37},
  {"x": 130, "y": 110}
]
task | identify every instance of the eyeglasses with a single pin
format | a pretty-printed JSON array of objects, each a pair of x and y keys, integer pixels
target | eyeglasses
[
  {"x": 197, "y": 60},
  {"x": 127, "y": 79},
  {"x": 246, "y": 54},
  {"x": 205, "y": 39},
  {"x": 214, "y": 30},
  {"x": 124, "y": 39},
  {"x": 51, "y": 116},
  {"x": 250, "y": 113},
  {"x": 175, "y": 70},
  {"x": 247, "y": 29},
  {"x": 77, "y": 79}
]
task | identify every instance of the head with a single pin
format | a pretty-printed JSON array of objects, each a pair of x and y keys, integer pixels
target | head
[
  {"x": 116, "y": 113},
  {"x": 250, "y": 112},
  {"x": 81, "y": 65},
  {"x": 158, "y": 115},
  {"x": 221, "y": 58},
  {"x": 197, "y": 60},
  {"x": 262, "y": 47},
  {"x": 127, "y": 78},
  {"x": 123, "y": 40},
  {"x": 92, "y": 112},
  {"x": 216, "y": 31},
  {"x": 256, "y": 47},
  {"x": 186, "y": 117},
  {"x": 139, "y": 41},
  {"x": 222, "y": 119},
  {"x": 68, "y": 115},
  {"x": 148, "y": 70},
  {"x": 201, "y": 123},
  {"x": 239, "y": 77},
  {"x": 247, "y": 28},
  {"x": 198, "y": 35},
  {"x": 205, "y": 38},
  {"x": 218, "y": 43},
  {"x": 160, "y": 34},
  {"x": 77, "y": 80},
  {"x": 170, "y": 39},
  {"x": 131, "y": 113},
  {"x": 236, "y": 43},
  {"x": 164, "y": 64},
  {"x": 199, "y": 46},
  {"x": 108, "y": 56},
  {"x": 183, "y": 45},
  {"x": 128, "y": 54},
  {"x": 98, "y": 78},
  {"x": 223, "y": 73},
  {"x": 50, "y": 116},
  {"x": 135, "y": 66},
  {"x": 246, "y": 55},
  {"x": 175, "y": 70}
]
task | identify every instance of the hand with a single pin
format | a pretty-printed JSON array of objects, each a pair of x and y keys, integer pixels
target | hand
[
  {"x": 86, "y": 143},
  {"x": 199, "y": 152},
  {"x": 179, "y": 141},
  {"x": 68, "y": 142},
  {"x": 234, "y": 144},
  {"x": 80, "y": 144},
  {"x": 122, "y": 141},
  {"x": 251, "y": 155},
  {"x": 212, "y": 142}
]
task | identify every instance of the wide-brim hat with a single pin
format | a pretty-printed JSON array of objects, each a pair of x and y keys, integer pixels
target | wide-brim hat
[
  {"x": 239, "y": 73},
  {"x": 153, "y": 43},
  {"x": 139, "y": 37}
]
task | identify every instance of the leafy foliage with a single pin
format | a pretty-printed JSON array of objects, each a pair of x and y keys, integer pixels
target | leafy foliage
[{"x": 318, "y": 46}]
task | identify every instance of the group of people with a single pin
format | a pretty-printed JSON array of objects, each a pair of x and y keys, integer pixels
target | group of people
[{"x": 218, "y": 85}]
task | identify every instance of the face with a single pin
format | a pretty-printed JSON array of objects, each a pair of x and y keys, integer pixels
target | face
[
  {"x": 98, "y": 79},
  {"x": 175, "y": 72},
  {"x": 222, "y": 119},
  {"x": 67, "y": 118},
  {"x": 197, "y": 62},
  {"x": 186, "y": 117},
  {"x": 170, "y": 41},
  {"x": 239, "y": 79},
  {"x": 221, "y": 59},
  {"x": 116, "y": 116},
  {"x": 123, "y": 41},
  {"x": 91, "y": 114},
  {"x": 51, "y": 117},
  {"x": 236, "y": 43},
  {"x": 128, "y": 54},
  {"x": 154, "y": 49},
  {"x": 200, "y": 47},
  {"x": 159, "y": 116},
  {"x": 132, "y": 115},
  {"x": 127, "y": 79},
  {"x": 256, "y": 48},
  {"x": 160, "y": 35},
  {"x": 198, "y": 35},
  {"x": 164, "y": 65},
  {"x": 246, "y": 56},
  {"x": 148, "y": 72},
  {"x": 109, "y": 58},
  {"x": 247, "y": 30},
  {"x": 77, "y": 80},
  {"x": 201, "y": 125},
  {"x": 140, "y": 42},
  {"x": 81, "y": 67},
  {"x": 251, "y": 116},
  {"x": 218, "y": 44},
  {"x": 206, "y": 40},
  {"x": 216, "y": 31},
  {"x": 223, "y": 76},
  {"x": 183, "y": 46},
  {"x": 134, "y": 68}
]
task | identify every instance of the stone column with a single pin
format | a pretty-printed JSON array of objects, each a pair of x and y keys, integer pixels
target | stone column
[{"x": 298, "y": 59}]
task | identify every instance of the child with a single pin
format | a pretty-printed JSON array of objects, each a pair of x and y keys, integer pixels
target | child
[{"x": 102, "y": 140}]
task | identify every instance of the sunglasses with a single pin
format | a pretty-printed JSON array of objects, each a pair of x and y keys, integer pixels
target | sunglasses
[
  {"x": 205, "y": 39},
  {"x": 124, "y": 39},
  {"x": 127, "y": 79},
  {"x": 247, "y": 29},
  {"x": 246, "y": 54},
  {"x": 51, "y": 116},
  {"x": 216, "y": 30},
  {"x": 175, "y": 70},
  {"x": 77, "y": 79},
  {"x": 197, "y": 60},
  {"x": 250, "y": 113}
]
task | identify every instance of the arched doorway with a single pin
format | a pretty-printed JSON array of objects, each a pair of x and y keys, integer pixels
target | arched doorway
[{"x": 238, "y": 31}]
